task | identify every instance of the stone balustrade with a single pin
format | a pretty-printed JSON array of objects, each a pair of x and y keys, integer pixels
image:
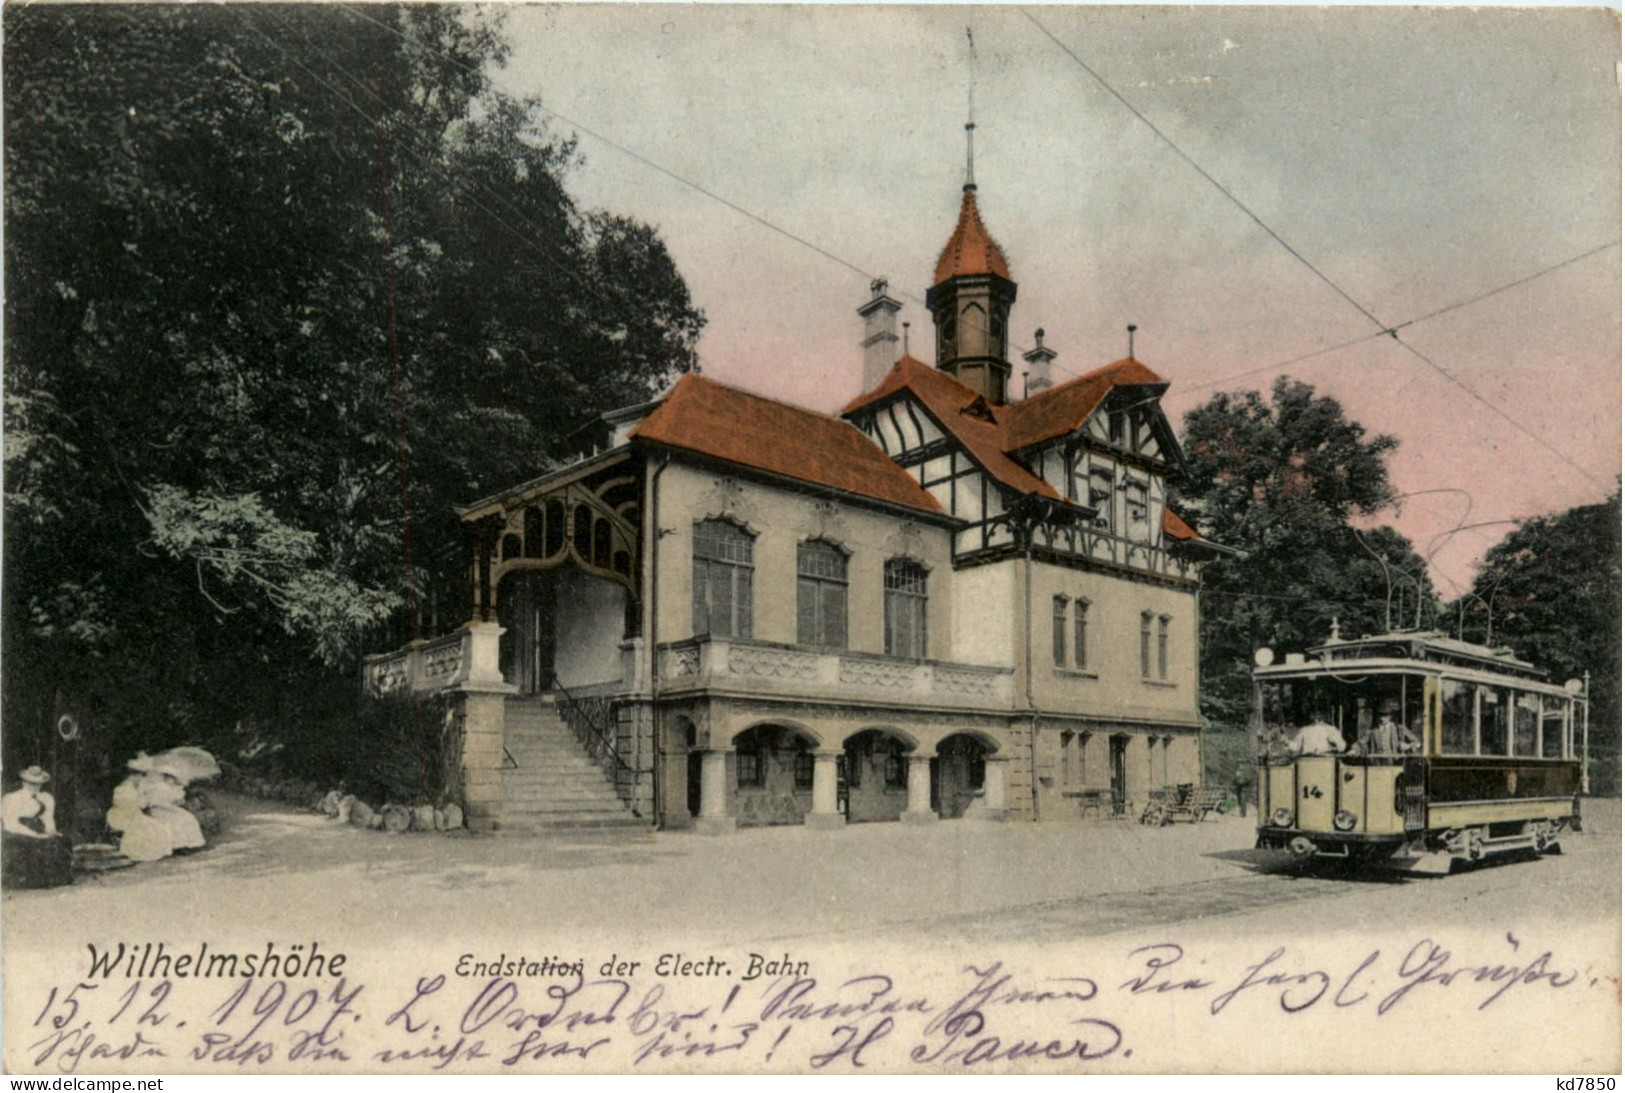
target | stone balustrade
[
  {"x": 781, "y": 669},
  {"x": 436, "y": 664}
]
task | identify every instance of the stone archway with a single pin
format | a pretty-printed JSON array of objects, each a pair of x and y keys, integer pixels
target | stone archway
[
  {"x": 967, "y": 779},
  {"x": 773, "y": 773},
  {"x": 874, "y": 769}
]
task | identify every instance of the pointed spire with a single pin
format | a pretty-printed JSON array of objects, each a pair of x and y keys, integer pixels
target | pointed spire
[{"x": 970, "y": 251}]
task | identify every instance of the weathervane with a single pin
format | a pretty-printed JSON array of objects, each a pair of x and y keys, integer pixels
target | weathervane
[{"x": 970, "y": 115}]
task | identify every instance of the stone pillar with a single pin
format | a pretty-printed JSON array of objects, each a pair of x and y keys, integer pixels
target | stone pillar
[
  {"x": 993, "y": 787},
  {"x": 825, "y": 814},
  {"x": 482, "y": 655},
  {"x": 714, "y": 818},
  {"x": 919, "y": 791},
  {"x": 483, "y": 715},
  {"x": 483, "y": 693}
]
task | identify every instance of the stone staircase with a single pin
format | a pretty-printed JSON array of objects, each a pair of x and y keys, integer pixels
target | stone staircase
[{"x": 555, "y": 785}]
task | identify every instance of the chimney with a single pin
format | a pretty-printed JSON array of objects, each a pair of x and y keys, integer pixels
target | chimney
[
  {"x": 1038, "y": 361},
  {"x": 879, "y": 315}
]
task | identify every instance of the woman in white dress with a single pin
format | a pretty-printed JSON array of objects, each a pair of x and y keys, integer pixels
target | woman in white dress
[
  {"x": 142, "y": 837},
  {"x": 165, "y": 798}
]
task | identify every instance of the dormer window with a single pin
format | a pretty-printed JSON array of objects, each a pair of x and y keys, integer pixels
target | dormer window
[
  {"x": 1100, "y": 495},
  {"x": 1135, "y": 493}
]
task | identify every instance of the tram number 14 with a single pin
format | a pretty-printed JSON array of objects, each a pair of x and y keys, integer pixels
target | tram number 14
[{"x": 1312, "y": 791}]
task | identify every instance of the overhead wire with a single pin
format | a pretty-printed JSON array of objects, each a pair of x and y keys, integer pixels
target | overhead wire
[{"x": 1382, "y": 328}]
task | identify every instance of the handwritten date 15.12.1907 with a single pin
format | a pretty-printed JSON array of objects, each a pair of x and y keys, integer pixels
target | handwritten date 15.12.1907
[{"x": 1099, "y": 1012}]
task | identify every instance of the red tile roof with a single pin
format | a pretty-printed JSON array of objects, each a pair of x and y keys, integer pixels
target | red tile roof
[
  {"x": 1061, "y": 409},
  {"x": 970, "y": 250},
  {"x": 709, "y": 418}
]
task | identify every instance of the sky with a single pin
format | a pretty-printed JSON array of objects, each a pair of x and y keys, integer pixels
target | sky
[{"x": 1415, "y": 158}]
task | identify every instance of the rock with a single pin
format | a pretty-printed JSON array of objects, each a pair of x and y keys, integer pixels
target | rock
[
  {"x": 347, "y": 804},
  {"x": 425, "y": 819},
  {"x": 375, "y": 821},
  {"x": 454, "y": 815},
  {"x": 329, "y": 804},
  {"x": 361, "y": 813},
  {"x": 396, "y": 819}
]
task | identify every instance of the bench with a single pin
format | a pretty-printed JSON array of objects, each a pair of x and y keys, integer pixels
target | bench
[{"x": 1197, "y": 803}]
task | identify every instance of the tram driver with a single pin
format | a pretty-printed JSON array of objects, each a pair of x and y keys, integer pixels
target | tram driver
[{"x": 1319, "y": 737}]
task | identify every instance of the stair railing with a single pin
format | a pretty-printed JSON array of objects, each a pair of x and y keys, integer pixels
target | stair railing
[{"x": 589, "y": 720}]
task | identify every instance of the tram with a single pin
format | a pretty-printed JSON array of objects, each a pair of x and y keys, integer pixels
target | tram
[{"x": 1415, "y": 750}]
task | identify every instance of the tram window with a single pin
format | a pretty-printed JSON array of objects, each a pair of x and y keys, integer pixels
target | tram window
[
  {"x": 1552, "y": 714},
  {"x": 1525, "y": 723},
  {"x": 1413, "y": 708},
  {"x": 1492, "y": 720},
  {"x": 1458, "y": 717}
]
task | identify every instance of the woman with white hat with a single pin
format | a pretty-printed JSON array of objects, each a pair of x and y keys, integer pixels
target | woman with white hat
[
  {"x": 36, "y": 856},
  {"x": 142, "y": 837}
]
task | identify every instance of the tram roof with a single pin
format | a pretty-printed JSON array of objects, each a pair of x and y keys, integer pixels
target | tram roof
[{"x": 1429, "y": 646}]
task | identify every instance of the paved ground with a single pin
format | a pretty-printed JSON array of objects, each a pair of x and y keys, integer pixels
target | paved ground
[{"x": 277, "y": 873}]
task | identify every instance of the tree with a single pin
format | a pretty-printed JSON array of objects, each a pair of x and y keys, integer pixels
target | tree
[
  {"x": 1551, "y": 591},
  {"x": 1283, "y": 482},
  {"x": 282, "y": 286}
]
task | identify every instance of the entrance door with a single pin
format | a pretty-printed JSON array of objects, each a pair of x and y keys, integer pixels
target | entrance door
[
  {"x": 1119, "y": 758},
  {"x": 527, "y": 613}
]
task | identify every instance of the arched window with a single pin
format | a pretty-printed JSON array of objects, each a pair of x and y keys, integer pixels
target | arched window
[
  {"x": 1080, "y": 633},
  {"x": 1058, "y": 631},
  {"x": 821, "y": 594},
  {"x": 1162, "y": 646},
  {"x": 905, "y": 608},
  {"x": 1145, "y": 645},
  {"x": 723, "y": 558}
]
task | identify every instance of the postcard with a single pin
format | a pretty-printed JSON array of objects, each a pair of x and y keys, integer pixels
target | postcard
[{"x": 811, "y": 540}]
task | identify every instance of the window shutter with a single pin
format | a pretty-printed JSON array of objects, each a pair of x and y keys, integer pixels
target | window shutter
[
  {"x": 806, "y": 611},
  {"x": 702, "y": 616},
  {"x": 742, "y": 608},
  {"x": 835, "y": 615},
  {"x": 721, "y": 590}
]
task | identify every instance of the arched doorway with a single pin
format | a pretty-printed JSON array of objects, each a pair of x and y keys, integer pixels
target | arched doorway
[
  {"x": 958, "y": 775},
  {"x": 772, "y": 775},
  {"x": 874, "y": 776}
]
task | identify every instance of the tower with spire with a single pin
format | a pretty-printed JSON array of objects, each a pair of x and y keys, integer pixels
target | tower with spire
[{"x": 972, "y": 293}]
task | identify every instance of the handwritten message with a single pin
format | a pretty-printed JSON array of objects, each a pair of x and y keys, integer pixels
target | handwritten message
[{"x": 745, "y": 1011}]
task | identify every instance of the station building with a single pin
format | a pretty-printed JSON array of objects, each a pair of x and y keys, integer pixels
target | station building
[{"x": 943, "y": 601}]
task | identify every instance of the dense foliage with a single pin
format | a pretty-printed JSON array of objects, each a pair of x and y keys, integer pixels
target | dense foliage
[
  {"x": 282, "y": 284},
  {"x": 1284, "y": 481},
  {"x": 1550, "y": 590}
]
